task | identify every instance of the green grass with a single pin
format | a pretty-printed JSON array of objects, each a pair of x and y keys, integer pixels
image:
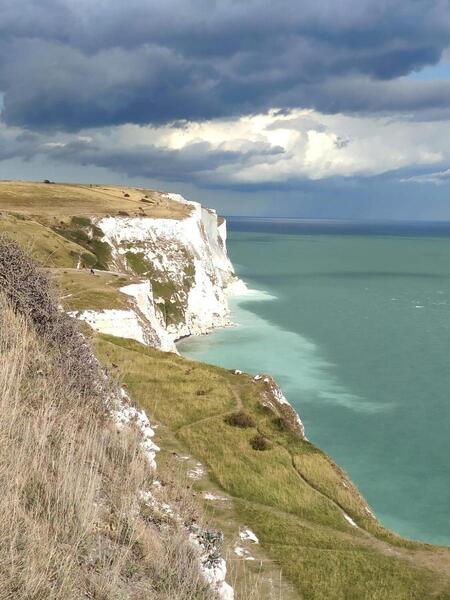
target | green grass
[
  {"x": 174, "y": 399},
  {"x": 138, "y": 263},
  {"x": 81, "y": 221},
  {"x": 291, "y": 495},
  {"x": 45, "y": 245},
  {"x": 80, "y": 231}
]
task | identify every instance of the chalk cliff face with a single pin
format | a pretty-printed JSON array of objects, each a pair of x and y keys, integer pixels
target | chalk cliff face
[
  {"x": 186, "y": 276},
  {"x": 142, "y": 321}
]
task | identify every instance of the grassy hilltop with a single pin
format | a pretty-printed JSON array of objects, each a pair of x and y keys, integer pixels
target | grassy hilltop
[{"x": 265, "y": 477}]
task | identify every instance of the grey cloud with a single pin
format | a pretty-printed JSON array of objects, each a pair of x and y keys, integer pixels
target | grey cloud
[
  {"x": 71, "y": 64},
  {"x": 195, "y": 163}
]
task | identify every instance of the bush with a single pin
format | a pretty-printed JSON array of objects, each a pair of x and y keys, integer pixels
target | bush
[
  {"x": 138, "y": 263},
  {"x": 81, "y": 221},
  {"x": 259, "y": 442},
  {"x": 27, "y": 289},
  {"x": 240, "y": 419},
  {"x": 87, "y": 260},
  {"x": 102, "y": 251},
  {"x": 78, "y": 236}
]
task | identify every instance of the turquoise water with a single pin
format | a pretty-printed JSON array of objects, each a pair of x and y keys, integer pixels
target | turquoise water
[{"x": 356, "y": 329}]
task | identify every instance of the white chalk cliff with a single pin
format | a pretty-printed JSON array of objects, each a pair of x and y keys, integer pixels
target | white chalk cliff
[{"x": 186, "y": 276}]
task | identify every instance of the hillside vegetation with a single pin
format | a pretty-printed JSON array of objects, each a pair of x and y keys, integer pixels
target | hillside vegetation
[
  {"x": 317, "y": 538},
  {"x": 291, "y": 494},
  {"x": 72, "y": 520}
]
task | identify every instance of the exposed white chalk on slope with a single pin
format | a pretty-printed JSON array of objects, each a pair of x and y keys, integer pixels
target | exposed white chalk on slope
[
  {"x": 248, "y": 535},
  {"x": 215, "y": 574},
  {"x": 142, "y": 294},
  {"x": 349, "y": 520},
  {"x": 213, "y": 567},
  {"x": 243, "y": 553},
  {"x": 124, "y": 414},
  {"x": 214, "y": 497},
  {"x": 140, "y": 322},
  {"x": 273, "y": 397},
  {"x": 119, "y": 322}
]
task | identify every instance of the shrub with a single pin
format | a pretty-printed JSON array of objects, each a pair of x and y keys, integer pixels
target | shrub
[
  {"x": 240, "y": 419},
  {"x": 138, "y": 263},
  {"x": 261, "y": 443},
  {"x": 74, "y": 235},
  {"x": 96, "y": 231},
  {"x": 88, "y": 260},
  {"x": 28, "y": 291},
  {"x": 81, "y": 221},
  {"x": 102, "y": 251}
]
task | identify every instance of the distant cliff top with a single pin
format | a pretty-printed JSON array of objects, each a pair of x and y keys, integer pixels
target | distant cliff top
[{"x": 63, "y": 199}]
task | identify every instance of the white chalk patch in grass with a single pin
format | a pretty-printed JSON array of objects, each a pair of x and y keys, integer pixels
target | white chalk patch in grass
[
  {"x": 197, "y": 472},
  {"x": 350, "y": 520},
  {"x": 248, "y": 535},
  {"x": 243, "y": 553},
  {"x": 214, "y": 497}
]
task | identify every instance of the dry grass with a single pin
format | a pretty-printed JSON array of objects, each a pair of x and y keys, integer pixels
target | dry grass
[
  {"x": 49, "y": 248},
  {"x": 71, "y": 518},
  {"x": 58, "y": 201},
  {"x": 80, "y": 290}
]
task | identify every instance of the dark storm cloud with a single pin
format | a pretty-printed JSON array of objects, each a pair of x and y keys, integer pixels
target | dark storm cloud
[
  {"x": 196, "y": 163},
  {"x": 69, "y": 64}
]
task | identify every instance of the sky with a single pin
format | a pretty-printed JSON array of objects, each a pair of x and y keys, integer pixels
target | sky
[{"x": 308, "y": 109}]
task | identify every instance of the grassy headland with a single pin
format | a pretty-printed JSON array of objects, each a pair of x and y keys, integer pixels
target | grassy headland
[{"x": 283, "y": 488}]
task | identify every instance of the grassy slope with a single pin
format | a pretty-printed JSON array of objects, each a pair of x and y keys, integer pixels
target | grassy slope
[
  {"x": 80, "y": 290},
  {"x": 55, "y": 201},
  {"x": 51, "y": 249},
  {"x": 72, "y": 521},
  {"x": 291, "y": 495}
]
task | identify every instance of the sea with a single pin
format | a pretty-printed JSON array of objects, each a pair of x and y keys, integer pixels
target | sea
[{"x": 353, "y": 321}]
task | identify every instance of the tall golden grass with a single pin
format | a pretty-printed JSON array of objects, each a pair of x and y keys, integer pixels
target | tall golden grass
[{"x": 71, "y": 520}]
